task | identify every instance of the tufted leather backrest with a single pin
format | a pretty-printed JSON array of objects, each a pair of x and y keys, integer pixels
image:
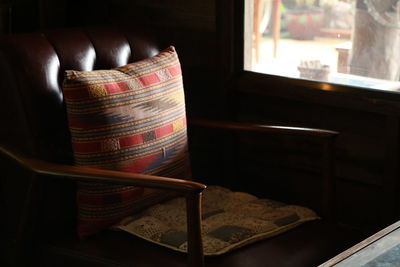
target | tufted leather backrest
[
  {"x": 32, "y": 67},
  {"x": 32, "y": 111}
]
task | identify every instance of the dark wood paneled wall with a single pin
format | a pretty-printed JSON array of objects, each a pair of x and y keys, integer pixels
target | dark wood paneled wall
[{"x": 360, "y": 153}]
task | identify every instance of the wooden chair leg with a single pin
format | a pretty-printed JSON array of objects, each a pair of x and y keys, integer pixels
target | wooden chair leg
[{"x": 195, "y": 243}]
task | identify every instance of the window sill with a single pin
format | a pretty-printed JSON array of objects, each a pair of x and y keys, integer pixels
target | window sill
[{"x": 384, "y": 98}]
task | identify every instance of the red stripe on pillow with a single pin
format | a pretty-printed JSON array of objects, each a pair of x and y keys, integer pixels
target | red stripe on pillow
[
  {"x": 131, "y": 140},
  {"x": 86, "y": 147},
  {"x": 94, "y": 147},
  {"x": 113, "y": 88},
  {"x": 163, "y": 131},
  {"x": 175, "y": 70},
  {"x": 149, "y": 79}
]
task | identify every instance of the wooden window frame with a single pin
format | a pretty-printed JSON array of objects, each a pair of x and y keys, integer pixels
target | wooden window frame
[{"x": 230, "y": 31}]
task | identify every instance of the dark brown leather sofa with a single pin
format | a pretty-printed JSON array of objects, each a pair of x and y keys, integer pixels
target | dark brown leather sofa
[{"x": 38, "y": 201}]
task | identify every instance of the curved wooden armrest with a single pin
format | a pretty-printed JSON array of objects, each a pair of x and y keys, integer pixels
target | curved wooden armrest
[
  {"x": 327, "y": 138},
  {"x": 192, "y": 191},
  {"x": 263, "y": 128},
  {"x": 104, "y": 176}
]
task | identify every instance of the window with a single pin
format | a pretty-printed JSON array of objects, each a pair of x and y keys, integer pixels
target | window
[{"x": 350, "y": 42}]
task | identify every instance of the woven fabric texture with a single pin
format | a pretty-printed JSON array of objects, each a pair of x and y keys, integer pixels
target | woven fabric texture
[
  {"x": 131, "y": 119},
  {"x": 229, "y": 220}
]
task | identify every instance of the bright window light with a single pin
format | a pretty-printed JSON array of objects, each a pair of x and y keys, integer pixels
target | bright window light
[{"x": 351, "y": 42}]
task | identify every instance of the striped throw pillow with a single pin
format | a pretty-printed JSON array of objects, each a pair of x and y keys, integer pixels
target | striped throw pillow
[{"x": 131, "y": 119}]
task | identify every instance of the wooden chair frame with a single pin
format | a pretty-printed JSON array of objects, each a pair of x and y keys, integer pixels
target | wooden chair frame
[{"x": 190, "y": 189}]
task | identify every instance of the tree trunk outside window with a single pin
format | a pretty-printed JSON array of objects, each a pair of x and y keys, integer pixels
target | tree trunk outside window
[{"x": 376, "y": 47}]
